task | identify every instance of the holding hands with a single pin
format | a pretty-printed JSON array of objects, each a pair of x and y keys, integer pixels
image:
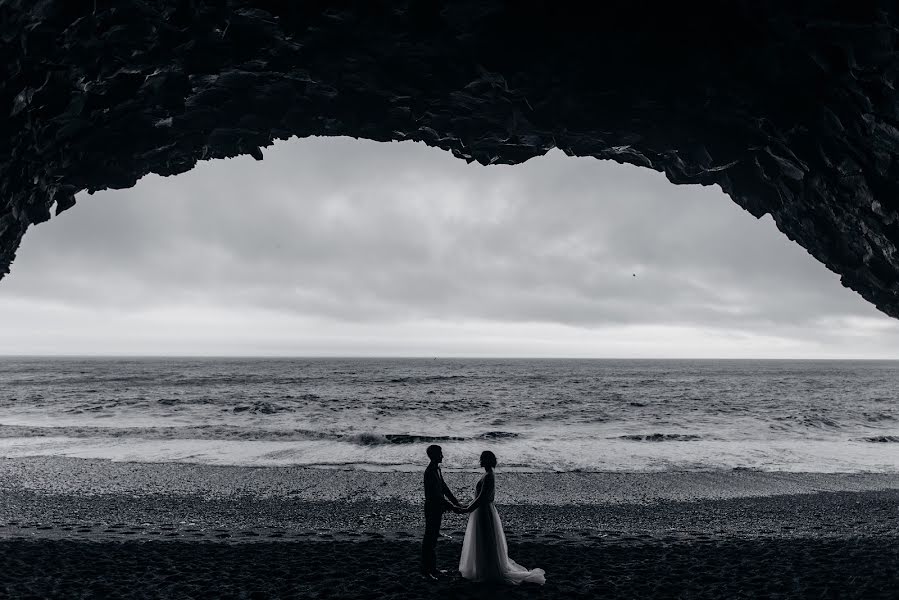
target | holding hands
[{"x": 459, "y": 509}]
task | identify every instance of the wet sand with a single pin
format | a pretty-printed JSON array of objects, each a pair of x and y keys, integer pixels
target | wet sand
[{"x": 79, "y": 528}]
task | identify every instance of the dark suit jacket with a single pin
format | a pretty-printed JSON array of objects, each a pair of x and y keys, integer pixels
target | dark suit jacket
[{"x": 436, "y": 490}]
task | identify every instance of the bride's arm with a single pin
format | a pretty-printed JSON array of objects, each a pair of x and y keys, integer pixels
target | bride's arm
[{"x": 488, "y": 481}]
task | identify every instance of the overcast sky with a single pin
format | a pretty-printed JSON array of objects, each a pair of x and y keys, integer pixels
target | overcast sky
[{"x": 334, "y": 246}]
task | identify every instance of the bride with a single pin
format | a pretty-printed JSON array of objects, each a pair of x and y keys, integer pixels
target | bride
[{"x": 485, "y": 556}]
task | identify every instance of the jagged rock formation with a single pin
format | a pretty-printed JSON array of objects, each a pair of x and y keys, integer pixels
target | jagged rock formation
[{"x": 791, "y": 107}]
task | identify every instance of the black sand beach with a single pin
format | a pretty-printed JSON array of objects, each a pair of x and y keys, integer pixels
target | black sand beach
[
  {"x": 183, "y": 531},
  {"x": 773, "y": 568}
]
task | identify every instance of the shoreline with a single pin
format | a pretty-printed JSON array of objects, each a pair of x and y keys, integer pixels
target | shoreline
[
  {"x": 101, "y": 500},
  {"x": 590, "y": 450},
  {"x": 88, "y": 477}
]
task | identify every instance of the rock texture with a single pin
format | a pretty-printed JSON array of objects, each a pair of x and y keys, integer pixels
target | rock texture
[{"x": 791, "y": 107}]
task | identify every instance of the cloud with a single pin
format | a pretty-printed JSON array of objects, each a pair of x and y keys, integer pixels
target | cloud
[{"x": 399, "y": 241}]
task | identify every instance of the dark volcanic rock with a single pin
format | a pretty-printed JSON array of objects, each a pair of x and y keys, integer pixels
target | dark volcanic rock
[{"x": 790, "y": 107}]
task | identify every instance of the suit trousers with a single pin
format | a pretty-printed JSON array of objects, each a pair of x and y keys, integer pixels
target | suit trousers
[{"x": 433, "y": 519}]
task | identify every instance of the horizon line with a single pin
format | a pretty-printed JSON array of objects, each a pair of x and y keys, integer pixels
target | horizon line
[{"x": 433, "y": 357}]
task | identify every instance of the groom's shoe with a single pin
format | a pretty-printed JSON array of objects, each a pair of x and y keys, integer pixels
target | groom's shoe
[
  {"x": 430, "y": 576},
  {"x": 441, "y": 572}
]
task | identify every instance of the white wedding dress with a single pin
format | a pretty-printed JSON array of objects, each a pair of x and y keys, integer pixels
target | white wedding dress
[{"x": 485, "y": 555}]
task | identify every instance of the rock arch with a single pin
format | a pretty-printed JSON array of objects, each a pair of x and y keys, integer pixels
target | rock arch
[{"x": 791, "y": 107}]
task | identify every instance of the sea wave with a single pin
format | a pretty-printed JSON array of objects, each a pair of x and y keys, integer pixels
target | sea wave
[
  {"x": 187, "y": 432},
  {"x": 232, "y": 432},
  {"x": 882, "y": 439},
  {"x": 660, "y": 437},
  {"x": 425, "y": 378},
  {"x": 377, "y": 439},
  {"x": 374, "y": 439}
]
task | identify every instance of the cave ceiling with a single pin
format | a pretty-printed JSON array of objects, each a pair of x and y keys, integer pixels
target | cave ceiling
[{"x": 790, "y": 107}]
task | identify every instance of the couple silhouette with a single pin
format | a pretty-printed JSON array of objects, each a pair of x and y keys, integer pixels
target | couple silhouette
[{"x": 485, "y": 554}]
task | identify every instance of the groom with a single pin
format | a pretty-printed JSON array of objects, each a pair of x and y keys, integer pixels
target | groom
[{"x": 438, "y": 498}]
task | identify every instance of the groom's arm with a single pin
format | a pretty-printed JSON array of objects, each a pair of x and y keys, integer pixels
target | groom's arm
[{"x": 449, "y": 494}]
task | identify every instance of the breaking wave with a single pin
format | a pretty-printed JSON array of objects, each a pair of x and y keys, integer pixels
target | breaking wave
[
  {"x": 661, "y": 437},
  {"x": 233, "y": 432}
]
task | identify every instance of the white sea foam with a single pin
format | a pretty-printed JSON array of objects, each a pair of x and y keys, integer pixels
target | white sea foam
[{"x": 524, "y": 455}]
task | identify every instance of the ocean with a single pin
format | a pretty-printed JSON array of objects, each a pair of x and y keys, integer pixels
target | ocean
[{"x": 380, "y": 414}]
